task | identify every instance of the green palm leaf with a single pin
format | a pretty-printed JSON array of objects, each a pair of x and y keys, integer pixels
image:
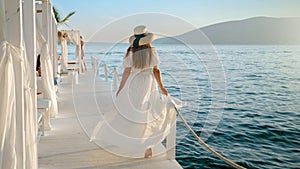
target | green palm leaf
[
  {"x": 66, "y": 19},
  {"x": 58, "y": 17}
]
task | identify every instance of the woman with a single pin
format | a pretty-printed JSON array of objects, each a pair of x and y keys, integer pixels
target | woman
[
  {"x": 143, "y": 119},
  {"x": 141, "y": 57}
]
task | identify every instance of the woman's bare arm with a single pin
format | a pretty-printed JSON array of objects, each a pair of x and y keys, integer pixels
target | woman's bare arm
[
  {"x": 157, "y": 76},
  {"x": 125, "y": 76}
]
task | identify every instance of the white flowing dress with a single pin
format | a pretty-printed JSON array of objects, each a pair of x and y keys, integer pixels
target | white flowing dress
[{"x": 141, "y": 117}]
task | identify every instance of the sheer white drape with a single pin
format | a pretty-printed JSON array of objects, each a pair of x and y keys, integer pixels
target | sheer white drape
[
  {"x": 74, "y": 37},
  {"x": 8, "y": 156},
  {"x": 30, "y": 122},
  {"x": 47, "y": 73},
  {"x": 11, "y": 122},
  {"x": 64, "y": 53}
]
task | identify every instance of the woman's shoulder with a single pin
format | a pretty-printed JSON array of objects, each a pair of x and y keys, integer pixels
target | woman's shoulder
[
  {"x": 129, "y": 54},
  {"x": 153, "y": 50}
]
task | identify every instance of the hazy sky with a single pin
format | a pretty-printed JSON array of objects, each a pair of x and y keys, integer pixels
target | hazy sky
[{"x": 112, "y": 20}]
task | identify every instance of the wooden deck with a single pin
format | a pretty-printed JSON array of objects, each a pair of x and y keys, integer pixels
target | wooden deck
[{"x": 67, "y": 145}]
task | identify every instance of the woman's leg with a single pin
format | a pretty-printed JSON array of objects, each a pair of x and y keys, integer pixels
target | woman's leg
[{"x": 148, "y": 153}]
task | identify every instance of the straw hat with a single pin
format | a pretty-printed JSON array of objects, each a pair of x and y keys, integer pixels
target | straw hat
[{"x": 141, "y": 36}]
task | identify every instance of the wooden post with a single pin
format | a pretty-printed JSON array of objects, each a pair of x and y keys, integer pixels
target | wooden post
[
  {"x": 171, "y": 141},
  {"x": 14, "y": 35},
  {"x": 29, "y": 18},
  {"x": 45, "y": 22},
  {"x": 78, "y": 52},
  {"x": 51, "y": 52},
  {"x": 2, "y": 20},
  {"x": 97, "y": 67},
  {"x": 30, "y": 44},
  {"x": 115, "y": 78},
  {"x": 105, "y": 72},
  {"x": 93, "y": 63},
  {"x": 55, "y": 41}
]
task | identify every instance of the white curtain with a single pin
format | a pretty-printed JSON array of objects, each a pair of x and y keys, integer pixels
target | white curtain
[
  {"x": 30, "y": 116},
  {"x": 9, "y": 119},
  {"x": 74, "y": 37},
  {"x": 64, "y": 53},
  {"x": 15, "y": 127},
  {"x": 8, "y": 156},
  {"x": 47, "y": 73}
]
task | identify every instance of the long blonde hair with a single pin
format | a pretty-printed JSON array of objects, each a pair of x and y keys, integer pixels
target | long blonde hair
[{"x": 141, "y": 56}]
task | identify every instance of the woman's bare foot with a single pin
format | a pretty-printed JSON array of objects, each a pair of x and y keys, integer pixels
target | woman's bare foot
[{"x": 148, "y": 153}]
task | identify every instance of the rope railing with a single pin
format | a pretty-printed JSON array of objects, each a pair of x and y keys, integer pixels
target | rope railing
[
  {"x": 229, "y": 162},
  {"x": 206, "y": 145}
]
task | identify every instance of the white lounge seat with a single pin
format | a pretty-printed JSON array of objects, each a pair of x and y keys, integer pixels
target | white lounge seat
[{"x": 43, "y": 106}]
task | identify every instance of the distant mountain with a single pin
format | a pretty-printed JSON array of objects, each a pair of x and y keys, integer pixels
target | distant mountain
[{"x": 258, "y": 30}]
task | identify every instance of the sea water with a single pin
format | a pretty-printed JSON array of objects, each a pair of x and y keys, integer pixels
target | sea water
[{"x": 258, "y": 122}]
